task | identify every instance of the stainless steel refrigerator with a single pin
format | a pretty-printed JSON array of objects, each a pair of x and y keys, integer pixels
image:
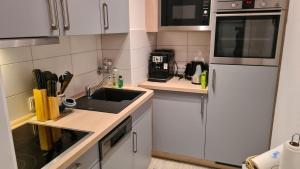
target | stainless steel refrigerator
[{"x": 245, "y": 57}]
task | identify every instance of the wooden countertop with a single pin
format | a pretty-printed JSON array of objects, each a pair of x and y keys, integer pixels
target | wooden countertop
[
  {"x": 97, "y": 122},
  {"x": 175, "y": 84}
]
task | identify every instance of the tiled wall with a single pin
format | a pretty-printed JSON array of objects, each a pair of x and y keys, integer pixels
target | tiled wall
[
  {"x": 77, "y": 54},
  {"x": 130, "y": 53},
  {"x": 187, "y": 45}
]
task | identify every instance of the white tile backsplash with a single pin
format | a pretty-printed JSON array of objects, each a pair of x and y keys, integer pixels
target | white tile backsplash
[
  {"x": 116, "y": 41},
  {"x": 172, "y": 38},
  {"x": 46, "y": 51},
  {"x": 84, "y": 62},
  {"x": 56, "y": 65},
  {"x": 198, "y": 38},
  {"x": 181, "y": 52},
  {"x": 15, "y": 55},
  {"x": 99, "y": 42},
  {"x": 187, "y": 45},
  {"x": 198, "y": 51},
  {"x": 18, "y": 105},
  {"x": 83, "y": 43},
  {"x": 121, "y": 58},
  {"x": 17, "y": 78},
  {"x": 87, "y": 79}
]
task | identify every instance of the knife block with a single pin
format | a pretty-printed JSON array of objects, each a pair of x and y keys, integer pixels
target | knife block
[
  {"x": 41, "y": 104},
  {"x": 53, "y": 103}
]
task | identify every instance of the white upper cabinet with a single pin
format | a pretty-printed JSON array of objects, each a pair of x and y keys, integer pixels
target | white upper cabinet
[
  {"x": 30, "y": 18},
  {"x": 115, "y": 16},
  {"x": 79, "y": 17},
  {"x": 50, "y": 18}
]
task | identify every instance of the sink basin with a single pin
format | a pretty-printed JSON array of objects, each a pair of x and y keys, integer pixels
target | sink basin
[
  {"x": 115, "y": 95},
  {"x": 108, "y": 100}
]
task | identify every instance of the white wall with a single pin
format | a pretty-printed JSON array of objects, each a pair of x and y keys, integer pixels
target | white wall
[
  {"x": 287, "y": 111},
  {"x": 7, "y": 155}
]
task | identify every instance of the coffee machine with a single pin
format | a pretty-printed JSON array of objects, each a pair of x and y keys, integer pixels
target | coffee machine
[{"x": 161, "y": 65}]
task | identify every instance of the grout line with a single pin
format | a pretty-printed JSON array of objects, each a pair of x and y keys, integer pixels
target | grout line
[
  {"x": 85, "y": 73},
  {"x": 18, "y": 93}
]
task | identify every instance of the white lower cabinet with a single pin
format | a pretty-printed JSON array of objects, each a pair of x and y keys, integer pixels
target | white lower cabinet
[
  {"x": 132, "y": 152},
  {"x": 87, "y": 160},
  {"x": 142, "y": 138},
  {"x": 179, "y": 123},
  {"x": 121, "y": 156}
]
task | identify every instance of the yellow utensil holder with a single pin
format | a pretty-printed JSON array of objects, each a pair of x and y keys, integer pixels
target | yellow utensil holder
[
  {"x": 41, "y": 104},
  {"x": 53, "y": 103}
]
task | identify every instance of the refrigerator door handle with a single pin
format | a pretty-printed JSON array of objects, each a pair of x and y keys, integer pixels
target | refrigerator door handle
[{"x": 214, "y": 80}]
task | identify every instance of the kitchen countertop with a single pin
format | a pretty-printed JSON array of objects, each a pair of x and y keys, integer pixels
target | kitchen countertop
[
  {"x": 97, "y": 122},
  {"x": 174, "y": 84}
]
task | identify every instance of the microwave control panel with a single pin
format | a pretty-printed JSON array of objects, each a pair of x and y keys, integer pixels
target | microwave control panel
[{"x": 206, "y": 12}]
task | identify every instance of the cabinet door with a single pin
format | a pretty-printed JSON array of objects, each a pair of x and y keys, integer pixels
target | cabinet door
[
  {"x": 115, "y": 16},
  {"x": 240, "y": 111},
  {"x": 28, "y": 18},
  {"x": 80, "y": 17},
  {"x": 142, "y": 140},
  {"x": 179, "y": 123},
  {"x": 121, "y": 156},
  {"x": 87, "y": 160}
]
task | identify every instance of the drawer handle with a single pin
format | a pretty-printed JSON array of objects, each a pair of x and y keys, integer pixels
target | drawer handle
[
  {"x": 134, "y": 142},
  {"x": 76, "y": 166}
]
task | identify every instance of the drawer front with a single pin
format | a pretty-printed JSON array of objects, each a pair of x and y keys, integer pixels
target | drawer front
[{"x": 87, "y": 160}]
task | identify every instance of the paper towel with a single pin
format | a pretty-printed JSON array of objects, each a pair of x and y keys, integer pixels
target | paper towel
[
  {"x": 268, "y": 160},
  {"x": 290, "y": 157}
]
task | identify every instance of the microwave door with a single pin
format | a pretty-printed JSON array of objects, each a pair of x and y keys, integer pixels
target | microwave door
[{"x": 247, "y": 37}]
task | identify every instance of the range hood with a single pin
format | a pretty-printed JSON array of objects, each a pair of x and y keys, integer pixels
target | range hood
[{"x": 35, "y": 41}]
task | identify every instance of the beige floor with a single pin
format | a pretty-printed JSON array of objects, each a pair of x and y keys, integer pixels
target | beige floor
[{"x": 166, "y": 164}]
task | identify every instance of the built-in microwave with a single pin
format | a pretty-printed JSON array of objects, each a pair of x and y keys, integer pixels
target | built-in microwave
[{"x": 190, "y": 15}]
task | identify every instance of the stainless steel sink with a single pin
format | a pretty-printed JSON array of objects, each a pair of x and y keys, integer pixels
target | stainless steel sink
[{"x": 108, "y": 100}]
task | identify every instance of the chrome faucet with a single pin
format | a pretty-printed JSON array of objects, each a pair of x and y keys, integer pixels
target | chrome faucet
[{"x": 91, "y": 90}]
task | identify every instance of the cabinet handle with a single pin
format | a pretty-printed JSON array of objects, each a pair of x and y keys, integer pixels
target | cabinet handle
[
  {"x": 53, "y": 14},
  {"x": 134, "y": 142},
  {"x": 65, "y": 11},
  {"x": 202, "y": 107},
  {"x": 77, "y": 166},
  {"x": 214, "y": 80},
  {"x": 105, "y": 16}
]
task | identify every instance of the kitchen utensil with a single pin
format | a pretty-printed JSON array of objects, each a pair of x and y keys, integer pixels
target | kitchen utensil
[
  {"x": 65, "y": 81},
  {"x": 37, "y": 78}
]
